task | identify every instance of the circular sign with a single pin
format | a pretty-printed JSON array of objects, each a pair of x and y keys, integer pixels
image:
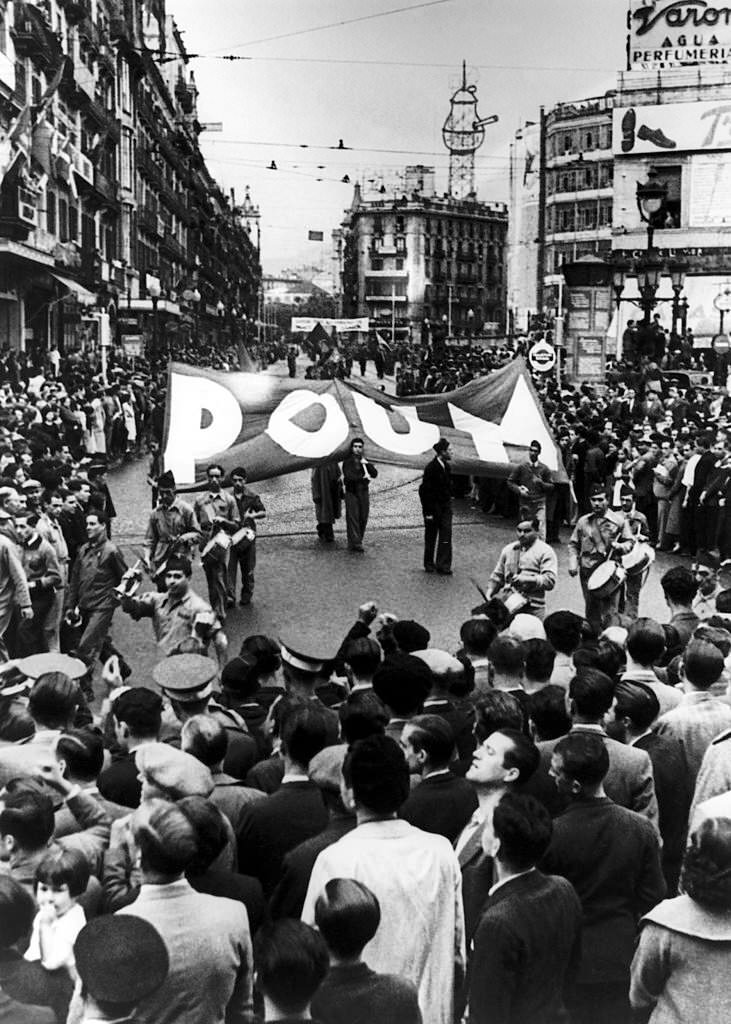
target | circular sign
[
  {"x": 542, "y": 357},
  {"x": 721, "y": 343},
  {"x": 722, "y": 302}
]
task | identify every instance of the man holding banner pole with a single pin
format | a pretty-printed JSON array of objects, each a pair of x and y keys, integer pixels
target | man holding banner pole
[
  {"x": 357, "y": 475},
  {"x": 435, "y": 492}
]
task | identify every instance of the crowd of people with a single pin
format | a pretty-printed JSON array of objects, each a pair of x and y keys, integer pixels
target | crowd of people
[{"x": 532, "y": 825}]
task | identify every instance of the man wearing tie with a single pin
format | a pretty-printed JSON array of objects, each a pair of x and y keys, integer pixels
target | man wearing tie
[{"x": 435, "y": 492}]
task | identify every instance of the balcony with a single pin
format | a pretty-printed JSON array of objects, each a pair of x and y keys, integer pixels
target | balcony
[
  {"x": 148, "y": 167},
  {"x": 18, "y": 213},
  {"x": 107, "y": 60},
  {"x": 33, "y": 37},
  {"x": 89, "y": 31},
  {"x": 95, "y": 111},
  {"x": 76, "y": 10},
  {"x": 107, "y": 190},
  {"x": 170, "y": 245},
  {"x": 147, "y": 219},
  {"x": 186, "y": 93},
  {"x": 386, "y": 273}
]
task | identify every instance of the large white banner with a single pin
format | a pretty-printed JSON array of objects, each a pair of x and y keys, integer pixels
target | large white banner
[
  {"x": 672, "y": 127},
  {"x": 308, "y": 323},
  {"x": 669, "y": 33}
]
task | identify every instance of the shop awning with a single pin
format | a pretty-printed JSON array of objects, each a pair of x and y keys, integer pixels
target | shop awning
[{"x": 81, "y": 294}]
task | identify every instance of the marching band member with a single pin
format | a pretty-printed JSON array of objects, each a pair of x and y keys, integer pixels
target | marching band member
[
  {"x": 217, "y": 513},
  {"x": 531, "y": 481},
  {"x": 599, "y": 536},
  {"x": 171, "y": 529},
  {"x": 527, "y": 567}
]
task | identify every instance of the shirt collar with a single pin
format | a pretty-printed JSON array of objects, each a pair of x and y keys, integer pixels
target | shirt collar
[
  {"x": 504, "y": 881},
  {"x": 295, "y": 777}
]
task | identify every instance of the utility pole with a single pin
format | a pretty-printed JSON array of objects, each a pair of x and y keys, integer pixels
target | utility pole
[
  {"x": 450, "y": 288},
  {"x": 393, "y": 314}
]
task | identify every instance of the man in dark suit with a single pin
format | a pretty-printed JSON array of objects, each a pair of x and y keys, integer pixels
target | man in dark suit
[
  {"x": 527, "y": 946},
  {"x": 629, "y": 781},
  {"x": 137, "y": 719},
  {"x": 272, "y": 827},
  {"x": 442, "y": 802},
  {"x": 630, "y": 720},
  {"x": 435, "y": 493},
  {"x": 611, "y": 856}
]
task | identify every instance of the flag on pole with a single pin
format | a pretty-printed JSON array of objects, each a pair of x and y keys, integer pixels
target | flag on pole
[
  {"x": 315, "y": 236},
  {"x": 51, "y": 89}
]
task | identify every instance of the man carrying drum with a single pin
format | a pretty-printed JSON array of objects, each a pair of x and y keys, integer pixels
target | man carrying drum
[
  {"x": 637, "y": 563},
  {"x": 525, "y": 570},
  {"x": 599, "y": 538},
  {"x": 172, "y": 529}
]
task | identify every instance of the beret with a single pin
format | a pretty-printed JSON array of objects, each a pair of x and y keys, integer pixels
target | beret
[{"x": 173, "y": 771}]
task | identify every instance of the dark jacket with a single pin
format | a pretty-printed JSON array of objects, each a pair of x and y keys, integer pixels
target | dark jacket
[
  {"x": 674, "y": 795},
  {"x": 289, "y": 896},
  {"x": 435, "y": 489},
  {"x": 611, "y": 856},
  {"x": 354, "y": 994},
  {"x": 120, "y": 783},
  {"x": 29, "y": 994},
  {"x": 526, "y": 952},
  {"x": 442, "y": 804},
  {"x": 272, "y": 827}
]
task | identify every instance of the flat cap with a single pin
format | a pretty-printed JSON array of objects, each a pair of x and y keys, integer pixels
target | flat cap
[
  {"x": 526, "y": 627},
  {"x": 186, "y": 677},
  {"x": 174, "y": 772},
  {"x": 36, "y": 665},
  {"x": 440, "y": 662},
  {"x": 120, "y": 958}
]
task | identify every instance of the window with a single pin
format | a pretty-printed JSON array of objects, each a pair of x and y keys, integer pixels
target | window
[
  {"x": 399, "y": 264},
  {"x": 672, "y": 177},
  {"x": 73, "y": 222},
  {"x": 63, "y": 219},
  {"x": 605, "y": 215},
  {"x": 376, "y": 263},
  {"x": 3, "y": 32},
  {"x": 589, "y": 141},
  {"x": 400, "y": 244},
  {"x": 50, "y": 211}
]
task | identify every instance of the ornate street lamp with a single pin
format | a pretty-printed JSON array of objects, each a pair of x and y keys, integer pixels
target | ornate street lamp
[
  {"x": 652, "y": 195},
  {"x": 154, "y": 291}
]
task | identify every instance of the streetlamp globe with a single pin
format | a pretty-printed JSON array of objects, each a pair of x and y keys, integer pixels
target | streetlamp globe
[{"x": 651, "y": 196}]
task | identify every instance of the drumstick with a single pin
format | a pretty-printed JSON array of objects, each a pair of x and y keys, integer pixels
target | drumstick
[{"x": 483, "y": 595}]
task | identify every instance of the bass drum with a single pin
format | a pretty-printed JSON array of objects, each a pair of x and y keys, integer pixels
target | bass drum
[{"x": 606, "y": 579}]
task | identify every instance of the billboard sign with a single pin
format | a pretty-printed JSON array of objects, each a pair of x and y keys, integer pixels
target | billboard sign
[
  {"x": 667, "y": 128},
  {"x": 670, "y": 33}
]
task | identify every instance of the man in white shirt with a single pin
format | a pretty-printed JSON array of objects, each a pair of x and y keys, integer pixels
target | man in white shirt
[{"x": 415, "y": 876}]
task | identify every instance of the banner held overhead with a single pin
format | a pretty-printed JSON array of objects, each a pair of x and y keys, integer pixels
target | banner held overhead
[
  {"x": 275, "y": 426},
  {"x": 307, "y": 323}
]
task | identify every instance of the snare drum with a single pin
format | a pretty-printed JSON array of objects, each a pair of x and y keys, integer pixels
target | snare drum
[
  {"x": 606, "y": 579},
  {"x": 638, "y": 559},
  {"x": 217, "y": 546},
  {"x": 242, "y": 539}
]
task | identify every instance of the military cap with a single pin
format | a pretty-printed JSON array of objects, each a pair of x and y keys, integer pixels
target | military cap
[
  {"x": 120, "y": 958},
  {"x": 31, "y": 485},
  {"x": 173, "y": 771},
  {"x": 13, "y": 680},
  {"x": 36, "y": 665},
  {"x": 597, "y": 489},
  {"x": 186, "y": 677},
  {"x": 292, "y": 654}
]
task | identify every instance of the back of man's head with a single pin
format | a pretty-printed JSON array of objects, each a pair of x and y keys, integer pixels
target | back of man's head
[
  {"x": 523, "y": 828},
  {"x": 638, "y": 703},
  {"x": 140, "y": 710},
  {"x": 435, "y": 736},
  {"x": 477, "y": 634},
  {"x": 17, "y": 911},
  {"x": 362, "y": 714},
  {"x": 53, "y": 700},
  {"x": 205, "y": 738},
  {"x": 305, "y": 730},
  {"x": 496, "y": 710},
  {"x": 507, "y": 657},
  {"x": 584, "y": 759},
  {"x": 403, "y": 683},
  {"x": 363, "y": 656},
  {"x": 719, "y": 636},
  {"x": 347, "y": 915},
  {"x": 563, "y": 631},
  {"x": 165, "y": 838},
  {"x": 410, "y": 636},
  {"x": 211, "y": 835},
  {"x": 82, "y": 751},
  {"x": 548, "y": 714},
  {"x": 702, "y": 664},
  {"x": 591, "y": 693},
  {"x": 540, "y": 656},
  {"x": 375, "y": 769},
  {"x": 646, "y": 642},
  {"x": 291, "y": 961},
  {"x": 26, "y": 815},
  {"x": 679, "y": 586}
]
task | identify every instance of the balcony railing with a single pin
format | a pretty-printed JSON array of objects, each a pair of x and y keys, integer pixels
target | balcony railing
[
  {"x": 147, "y": 219},
  {"x": 107, "y": 189},
  {"x": 33, "y": 37}
]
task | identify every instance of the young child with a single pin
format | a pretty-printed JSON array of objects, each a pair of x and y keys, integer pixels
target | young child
[{"x": 61, "y": 877}]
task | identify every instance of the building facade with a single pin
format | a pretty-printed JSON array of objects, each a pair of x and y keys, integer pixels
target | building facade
[
  {"x": 423, "y": 257},
  {"x": 111, "y": 227}
]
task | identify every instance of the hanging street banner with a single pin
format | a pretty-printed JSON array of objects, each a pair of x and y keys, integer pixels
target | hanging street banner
[
  {"x": 307, "y": 323},
  {"x": 672, "y": 127},
  {"x": 671, "y": 33},
  {"x": 274, "y": 426}
]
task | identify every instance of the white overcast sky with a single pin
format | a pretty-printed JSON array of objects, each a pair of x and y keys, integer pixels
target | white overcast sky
[{"x": 378, "y": 84}]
